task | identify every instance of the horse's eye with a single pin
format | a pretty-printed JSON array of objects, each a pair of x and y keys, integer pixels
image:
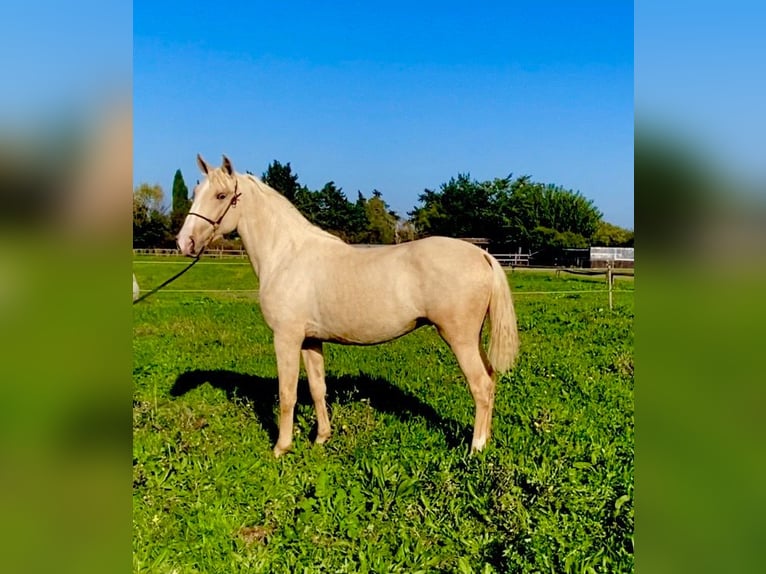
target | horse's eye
[{"x": 221, "y": 196}]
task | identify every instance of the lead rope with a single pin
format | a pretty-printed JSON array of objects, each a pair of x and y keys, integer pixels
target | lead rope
[
  {"x": 215, "y": 224},
  {"x": 169, "y": 281}
]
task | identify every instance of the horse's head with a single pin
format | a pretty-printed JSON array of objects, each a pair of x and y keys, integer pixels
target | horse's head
[{"x": 211, "y": 214}]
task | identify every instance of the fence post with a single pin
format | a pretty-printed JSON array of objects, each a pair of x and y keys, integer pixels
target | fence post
[{"x": 609, "y": 281}]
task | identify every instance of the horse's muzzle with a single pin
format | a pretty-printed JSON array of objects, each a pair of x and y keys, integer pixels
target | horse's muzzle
[{"x": 186, "y": 245}]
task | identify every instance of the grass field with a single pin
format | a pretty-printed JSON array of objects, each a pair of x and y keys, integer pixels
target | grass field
[{"x": 394, "y": 490}]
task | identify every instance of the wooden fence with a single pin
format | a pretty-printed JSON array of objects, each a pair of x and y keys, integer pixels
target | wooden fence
[
  {"x": 513, "y": 259},
  {"x": 214, "y": 253},
  {"x": 505, "y": 259},
  {"x": 509, "y": 260}
]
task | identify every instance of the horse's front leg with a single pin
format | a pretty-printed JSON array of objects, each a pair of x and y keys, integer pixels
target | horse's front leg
[{"x": 288, "y": 365}]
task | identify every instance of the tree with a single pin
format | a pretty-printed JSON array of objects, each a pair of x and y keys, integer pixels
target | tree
[
  {"x": 362, "y": 221},
  {"x": 151, "y": 225},
  {"x": 308, "y": 203},
  {"x": 148, "y": 197},
  {"x": 381, "y": 223},
  {"x": 336, "y": 213},
  {"x": 461, "y": 208},
  {"x": 181, "y": 202},
  {"x": 358, "y": 228},
  {"x": 312, "y": 204},
  {"x": 537, "y": 216},
  {"x": 509, "y": 212},
  {"x": 429, "y": 218},
  {"x": 610, "y": 235},
  {"x": 282, "y": 178}
]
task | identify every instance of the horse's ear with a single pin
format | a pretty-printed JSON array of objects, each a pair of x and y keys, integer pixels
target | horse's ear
[
  {"x": 226, "y": 166},
  {"x": 204, "y": 167}
]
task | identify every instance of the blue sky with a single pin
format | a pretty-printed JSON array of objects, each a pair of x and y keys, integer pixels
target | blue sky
[
  {"x": 701, "y": 78},
  {"x": 391, "y": 96},
  {"x": 60, "y": 64}
]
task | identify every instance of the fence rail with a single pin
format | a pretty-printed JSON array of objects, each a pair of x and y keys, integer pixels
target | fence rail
[
  {"x": 505, "y": 259},
  {"x": 512, "y": 259},
  {"x": 214, "y": 253},
  {"x": 508, "y": 260}
]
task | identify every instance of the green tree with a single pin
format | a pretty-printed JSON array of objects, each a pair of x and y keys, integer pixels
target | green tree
[
  {"x": 151, "y": 225},
  {"x": 461, "y": 208},
  {"x": 542, "y": 238},
  {"x": 282, "y": 178},
  {"x": 509, "y": 212},
  {"x": 180, "y": 203},
  {"x": 381, "y": 222},
  {"x": 330, "y": 209},
  {"x": 308, "y": 203},
  {"x": 148, "y": 197},
  {"x": 336, "y": 213},
  {"x": 359, "y": 224},
  {"x": 536, "y": 216},
  {"x": 610, "y": 235},
  {"x": 312, "y": 204},
  {"x": 429, "y": 218}
]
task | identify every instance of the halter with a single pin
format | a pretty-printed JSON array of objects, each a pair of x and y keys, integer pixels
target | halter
[
  {"x": 215, "y": 224},
  {"x": 232, "y": 203}
]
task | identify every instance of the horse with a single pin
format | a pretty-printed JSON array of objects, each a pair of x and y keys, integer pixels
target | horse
[{"x": 316, "y": 288}]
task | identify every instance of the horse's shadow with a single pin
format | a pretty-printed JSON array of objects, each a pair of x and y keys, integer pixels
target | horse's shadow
[{"x": 263, "y": 394}]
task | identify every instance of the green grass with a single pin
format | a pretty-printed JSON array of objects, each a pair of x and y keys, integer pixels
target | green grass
[{"x": 394, "y": 490}]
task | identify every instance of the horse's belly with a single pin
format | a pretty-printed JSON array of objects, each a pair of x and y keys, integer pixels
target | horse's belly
[{"x": 363, "y": 333}]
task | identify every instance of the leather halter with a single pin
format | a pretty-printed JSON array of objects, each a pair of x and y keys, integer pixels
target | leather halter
[
  {"x": 215, "y": 225},
  {"x": 232, "y": 203}
]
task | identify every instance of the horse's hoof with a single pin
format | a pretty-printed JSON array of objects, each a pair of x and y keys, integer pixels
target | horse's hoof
[
  {"x": 279, "y": 451},
  {"x": 478, "y": 445},
  {"x": 322, "y": 439}
]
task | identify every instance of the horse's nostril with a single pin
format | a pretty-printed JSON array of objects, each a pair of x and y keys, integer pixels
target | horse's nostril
[{"x": 185, "y": 244}]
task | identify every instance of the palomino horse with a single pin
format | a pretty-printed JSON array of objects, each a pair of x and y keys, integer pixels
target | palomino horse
[{"x": 314, "y": 287}]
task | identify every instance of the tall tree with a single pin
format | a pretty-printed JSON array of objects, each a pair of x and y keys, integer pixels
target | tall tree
[
  {"x": 282, "y": 178},
  {"x": 335, "y": 210},
  {"x": 358, "y": 226},
  {"x": 381, "y": 222},
  {"x": 180, "y": 203},
  {"x": 308, "y": 203},
  {"x": 429, "y": 218}
]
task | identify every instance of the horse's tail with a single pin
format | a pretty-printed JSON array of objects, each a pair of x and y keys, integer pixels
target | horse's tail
[{"x": 504, "y": 336}]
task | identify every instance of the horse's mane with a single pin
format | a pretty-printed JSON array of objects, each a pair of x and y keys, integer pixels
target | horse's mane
[{"x": 283, "y": 207}]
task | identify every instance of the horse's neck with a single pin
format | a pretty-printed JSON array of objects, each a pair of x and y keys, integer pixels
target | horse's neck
[{"x": 272, "y": 229}]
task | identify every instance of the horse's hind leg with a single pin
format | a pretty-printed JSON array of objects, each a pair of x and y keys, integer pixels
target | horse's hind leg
[
  {"x": 491, "y": 372},
  {"x": 474, "y": 366},
  {"x": 313, "y": 359}
]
